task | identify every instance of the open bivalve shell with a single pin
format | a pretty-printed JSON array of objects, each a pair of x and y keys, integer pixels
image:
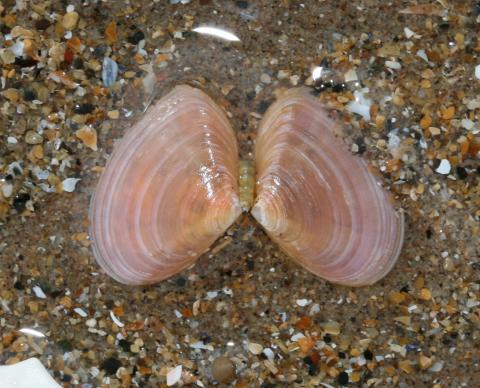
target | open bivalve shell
[
  {"x": 317, "y": 200},
  {"x": 169, "y": 190}
]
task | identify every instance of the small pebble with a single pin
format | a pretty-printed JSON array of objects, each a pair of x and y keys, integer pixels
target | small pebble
[
  {"x": 109, "y": 71},
  {"x": 7, "y": 190},
  {"x": 136, "y": 38},
  {"x": 113, "y": 114},
  {"x": 7, "y": 56},
  {"x": 241, "y": 4},
  {"x": 255, "y": 348},
  {"x": 351, "y": 75},
  {"x": 265, "y": 78},
  {"x": 223, "y": 370},
  {"x": 303, "y": 302},
  {"x": 111, "y": 365},
  {"x": 29, "y": 95},
  {"x": 468, "y": 124},
  {"x": 393, "y": 65},
  {"x": 42, "y": 24},
  {"x": 343, "y": 378},
  {"x": 83, "y": 109},
  {"x": 425, "y": 362},
  {"x": 477, "y": 72},
  {"x": 408, "y": 32},
  {"x": 332, "y": 328},
  {"x": 70, "y": 20},
  {"x": 80, "y": 312},
  {"x": 92, "y": 322},
  {"x": 461, "y": 172},
  {"x": 88, "y": 136},
  {"x": 32, "y": 137},
  {"x": 20, "y": 202}
]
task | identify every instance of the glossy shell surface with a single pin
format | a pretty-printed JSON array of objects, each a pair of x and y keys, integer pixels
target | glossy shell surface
[
  {"x": 168, "y": 191},
  {"x": 320, "y": 202}
]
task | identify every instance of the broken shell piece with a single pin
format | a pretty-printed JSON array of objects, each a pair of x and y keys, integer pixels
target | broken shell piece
[{"x": 26, "y": 374}]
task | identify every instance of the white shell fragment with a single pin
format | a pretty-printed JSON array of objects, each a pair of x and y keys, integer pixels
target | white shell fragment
[
  {"x": 444, "y": 167},
  {"x": 360, "y": 105},
  {"x": 69, "y": 184},
  {"x": 39, "y": 292},
  {"x": 26, "y": 374},
  {"x": 174, "y": 375}
]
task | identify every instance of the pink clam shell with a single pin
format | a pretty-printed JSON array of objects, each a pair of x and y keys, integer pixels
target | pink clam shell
[
  {"x": 319, "y": 202},
  {"x": 169, "y": 190}
]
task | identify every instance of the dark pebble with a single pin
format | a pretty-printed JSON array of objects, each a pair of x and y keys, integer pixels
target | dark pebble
[
  {"x": 250, "y": 264},
  {"x": 391, "y": 126},
  {"x": 55, "y": 293},
  {"x": 4, "y": 29},
  {"x": 83, "y": 109},
  {"x": 461, "y": 172},
  {"x": 241, "y": 4},
  {"x": 266, "y": 384},
  {"x": 321, "y": 85},
  {"x": 20, "y": 201},
  {"x": 29, "y": 95},
  {"x": 18, "y": 285},
  {"x": 327, "y": 338},
  {"x": 308, "y": 360},
  {"x": 360, "y": 142},
  {"x": 25, "y": 62},
  {"x": 100, "y": 51},
  {"x": 429, "y": 233},
  {"x": 136, "y": 38},
  {"x": 339, "y": 87},
  {"x": 250, "y": 96},
  {"x": 42, "y": 24},
  {"x": 263, "y": 106},
  {"x": 66, "y": 378},
  {"x": 111, "y": 365},
  {"x": 125, "y": 345},
  {"x": 342, "y": 355},
  {"x": 78, "y": 63},
  {"x": 343, "y": 378},
  {"x": 313, "y": 370},
  {"x": 181, "y": 281},
  {"x": 368, "y": 355},
  {"x": 65, "y": 345},
  {"x": 411, "y": 348}
]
